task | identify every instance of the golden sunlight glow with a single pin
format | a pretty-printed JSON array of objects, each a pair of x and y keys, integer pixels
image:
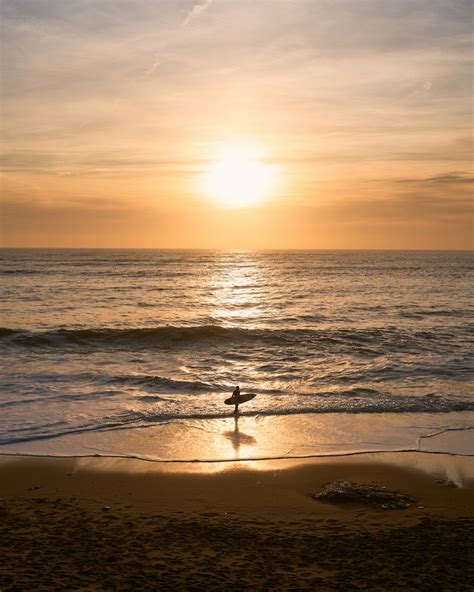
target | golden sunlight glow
[{"x": 239, "y": 179}]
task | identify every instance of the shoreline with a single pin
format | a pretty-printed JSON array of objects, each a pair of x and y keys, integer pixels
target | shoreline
[
  {"x": 106, "y": 524},
  {"x": 243, "y": 460},
  {"x": 260, "y": 438}
]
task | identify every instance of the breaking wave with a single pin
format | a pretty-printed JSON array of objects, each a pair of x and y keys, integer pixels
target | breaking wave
[{"x": 372, "y": 341}]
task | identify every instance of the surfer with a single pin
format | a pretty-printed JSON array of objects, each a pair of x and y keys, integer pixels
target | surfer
[{"x": 235, "y": 399}]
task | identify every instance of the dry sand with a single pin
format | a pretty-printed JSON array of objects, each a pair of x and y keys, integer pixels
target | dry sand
[{"x": 97, "y": 524}]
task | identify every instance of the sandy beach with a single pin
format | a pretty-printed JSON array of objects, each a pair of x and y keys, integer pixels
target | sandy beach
[{"x": 118, "y": 524}]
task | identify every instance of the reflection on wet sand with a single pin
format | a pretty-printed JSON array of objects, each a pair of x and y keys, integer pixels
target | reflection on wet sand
[{"x": 238, "y": 438}]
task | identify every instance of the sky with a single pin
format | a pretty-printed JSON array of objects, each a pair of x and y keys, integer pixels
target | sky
[{"x": 114, "y": 114}]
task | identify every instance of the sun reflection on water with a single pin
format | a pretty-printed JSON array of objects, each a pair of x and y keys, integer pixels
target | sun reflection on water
[
  {"x": 236, "y": 290},
  {"x": 240, "y": 440}
]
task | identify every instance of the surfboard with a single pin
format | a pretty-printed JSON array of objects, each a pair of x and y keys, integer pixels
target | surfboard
[{"x": 242, "y": 399}]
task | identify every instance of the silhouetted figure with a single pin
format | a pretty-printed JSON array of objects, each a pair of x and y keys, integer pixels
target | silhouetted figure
[{"x": 235, "y": 396}]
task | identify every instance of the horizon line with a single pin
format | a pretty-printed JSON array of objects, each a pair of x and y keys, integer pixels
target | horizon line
[{"x": 258, "y": 249}]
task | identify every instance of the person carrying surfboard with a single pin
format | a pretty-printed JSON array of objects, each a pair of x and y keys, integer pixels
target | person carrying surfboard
[{"x": 236, "y": 399}]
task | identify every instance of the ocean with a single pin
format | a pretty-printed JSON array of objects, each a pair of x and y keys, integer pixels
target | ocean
[{"x": 132, "y": 352}]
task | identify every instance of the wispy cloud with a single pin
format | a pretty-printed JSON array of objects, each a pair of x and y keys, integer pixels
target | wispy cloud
[
  {"x": 451, "y": 178},
  {"x": 196, "y": 10}
]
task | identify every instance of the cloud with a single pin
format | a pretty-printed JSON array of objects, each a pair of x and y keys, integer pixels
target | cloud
[
  {"x": 52, "y": 163},
  {"x": 453, "y": 178},
  {"x": 410, "y": 210},
  {"x": 196, "y": 10}
]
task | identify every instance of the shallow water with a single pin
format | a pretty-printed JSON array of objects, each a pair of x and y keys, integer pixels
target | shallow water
[{"x": 99, "y": 340}]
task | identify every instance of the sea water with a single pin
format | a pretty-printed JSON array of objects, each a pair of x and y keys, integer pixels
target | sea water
[{"x": 132, "y": 352}]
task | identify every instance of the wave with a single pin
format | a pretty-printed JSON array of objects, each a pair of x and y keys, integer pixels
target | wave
[
  {"x": 161, "y": 383},
  {"x": 368, "y": 341},
  {"x": 19, "y": 271},
  {"x": 420, "y": 313},
  {"x": 150, "y": 337}
]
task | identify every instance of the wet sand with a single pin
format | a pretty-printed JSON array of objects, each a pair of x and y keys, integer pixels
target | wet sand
[{"x": 116, "y": 524}]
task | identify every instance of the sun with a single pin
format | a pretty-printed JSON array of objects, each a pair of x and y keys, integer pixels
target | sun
[{"x": 238, "y": 179}]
